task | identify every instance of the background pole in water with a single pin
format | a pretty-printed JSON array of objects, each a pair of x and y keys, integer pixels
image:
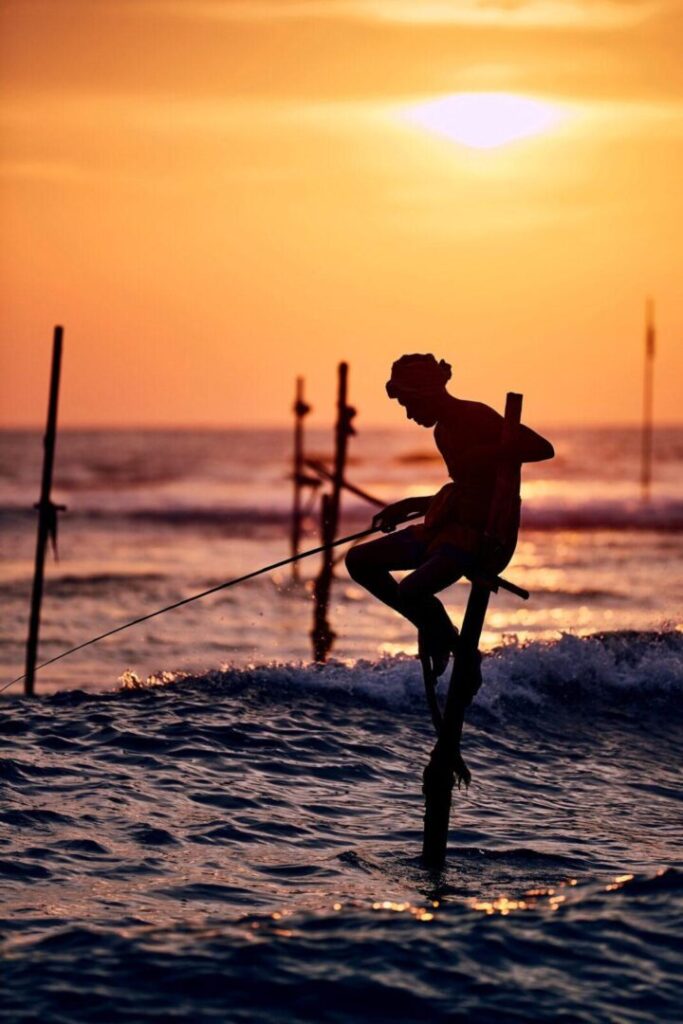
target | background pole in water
[
  {"x": 322, "y": 633},
  {"x": 301, "y": 409},
  {"x": 47, "y": 514},
  {"x": 648, "y": 381},
  {"x": 446, "y": 761}
]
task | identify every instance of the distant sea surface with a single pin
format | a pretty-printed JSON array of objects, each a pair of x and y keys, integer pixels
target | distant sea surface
[{"x": 198, "y": 824}]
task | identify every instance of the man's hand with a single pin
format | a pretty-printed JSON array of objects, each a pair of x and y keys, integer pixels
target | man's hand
[{"x": 389, "y": 518}]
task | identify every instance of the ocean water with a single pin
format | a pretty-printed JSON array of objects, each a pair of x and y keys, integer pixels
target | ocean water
[
  {"x": 198, "y": 824},
  {"x": 156, "y": 516}
]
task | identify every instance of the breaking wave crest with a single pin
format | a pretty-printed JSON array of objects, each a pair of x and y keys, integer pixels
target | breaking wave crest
[{"x": 625, "y": 669}]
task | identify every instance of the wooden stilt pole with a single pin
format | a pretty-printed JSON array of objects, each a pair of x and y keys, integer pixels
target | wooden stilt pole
[
  {"x": 321, "y": 470},
  {"x": 322, "y": 634},
  {"x": 648, "y": 381},
  {"x": 47, "y": 514},
  {"x": 301, "y": 409},
  {"x": 446, "y": 761}
]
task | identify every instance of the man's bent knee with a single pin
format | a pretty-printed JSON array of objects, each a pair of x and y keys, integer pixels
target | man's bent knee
[{"x": 355, "y": 562}]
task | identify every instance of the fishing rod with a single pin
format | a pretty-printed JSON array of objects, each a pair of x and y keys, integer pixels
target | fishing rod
[{"x": 204, "y": 593}]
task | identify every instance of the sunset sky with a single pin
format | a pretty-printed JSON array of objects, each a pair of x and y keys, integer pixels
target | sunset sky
[{"x": 216, "y": 196}]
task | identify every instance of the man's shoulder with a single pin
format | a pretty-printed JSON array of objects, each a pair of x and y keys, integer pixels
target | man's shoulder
[
  {"x": 465, "y": 414},
  {"x": 483, "y": 411}
]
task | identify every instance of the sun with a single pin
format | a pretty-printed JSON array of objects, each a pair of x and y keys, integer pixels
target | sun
[{"x": 484, "y": 120}]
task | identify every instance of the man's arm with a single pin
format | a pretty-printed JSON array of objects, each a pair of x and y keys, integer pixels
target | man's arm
[{"x": 530, "y": 447}]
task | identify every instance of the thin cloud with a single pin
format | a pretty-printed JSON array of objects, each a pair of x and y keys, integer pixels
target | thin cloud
[
  {"x": 42, "y": 170},
  {"x": 589, "y": 14},
  {"x": 201, "y": 116}
]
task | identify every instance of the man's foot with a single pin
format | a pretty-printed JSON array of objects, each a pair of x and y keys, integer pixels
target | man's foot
[
  {"x": 473, "y": 678},
  {"x": 435, "y": 644}
]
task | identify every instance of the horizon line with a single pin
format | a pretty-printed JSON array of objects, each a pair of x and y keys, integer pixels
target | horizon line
[{"x": 322, "y": 425}]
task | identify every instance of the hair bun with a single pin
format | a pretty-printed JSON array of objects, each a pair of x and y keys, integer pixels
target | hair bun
[{"x": 418, "y": 372}]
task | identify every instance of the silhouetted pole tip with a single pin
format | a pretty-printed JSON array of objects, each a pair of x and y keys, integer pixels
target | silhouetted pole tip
[
  {"x": 47, "y": 514},
  {"x": 300, "y": 409}
]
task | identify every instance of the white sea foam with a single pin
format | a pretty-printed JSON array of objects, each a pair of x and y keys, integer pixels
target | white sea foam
[{"x": 622, "y": 668}]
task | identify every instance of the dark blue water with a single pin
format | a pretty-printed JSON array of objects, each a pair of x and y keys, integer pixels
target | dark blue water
[{"x": 244, "y": 846}]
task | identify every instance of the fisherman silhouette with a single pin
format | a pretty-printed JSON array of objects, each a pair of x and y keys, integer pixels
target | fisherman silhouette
[{"x": 450, "y": 542}]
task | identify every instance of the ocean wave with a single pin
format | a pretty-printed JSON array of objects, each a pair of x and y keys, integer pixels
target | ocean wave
[
  {"x": 581, "y": 594},
  {"x": 580, "y": 952},
  {"x": 665, "y": 516},
  {"x": 625, "y": 669},
  {"x": 85, "y": 585}
]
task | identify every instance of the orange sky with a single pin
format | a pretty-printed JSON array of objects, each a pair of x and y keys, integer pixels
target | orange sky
[{"x": 215, "y": 196}]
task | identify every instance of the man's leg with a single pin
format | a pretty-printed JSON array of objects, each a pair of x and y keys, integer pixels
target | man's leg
[
  {"x": 418, "y": 602},
  {"x": 371, "y": 564}
]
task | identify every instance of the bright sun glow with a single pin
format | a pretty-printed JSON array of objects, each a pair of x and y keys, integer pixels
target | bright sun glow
[{"x": 485, "y": 120}]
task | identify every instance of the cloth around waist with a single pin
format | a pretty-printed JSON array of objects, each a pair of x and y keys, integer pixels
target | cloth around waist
[
  {"x": 458, "y": 516},
  {"x": 457, "y": 503}
]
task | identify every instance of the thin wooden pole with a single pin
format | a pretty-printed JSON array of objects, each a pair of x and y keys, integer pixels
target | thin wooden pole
[
  {"x": 47, "y": 512},
  {"x": 322, "y": 634},
  {"x": 301, "y": 409},
  {"x": 446, "y": 761},
  {"x": 648, "y": 384}
]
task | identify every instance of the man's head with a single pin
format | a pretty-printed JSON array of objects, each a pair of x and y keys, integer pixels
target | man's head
[{"x": 418, "y": 383}]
